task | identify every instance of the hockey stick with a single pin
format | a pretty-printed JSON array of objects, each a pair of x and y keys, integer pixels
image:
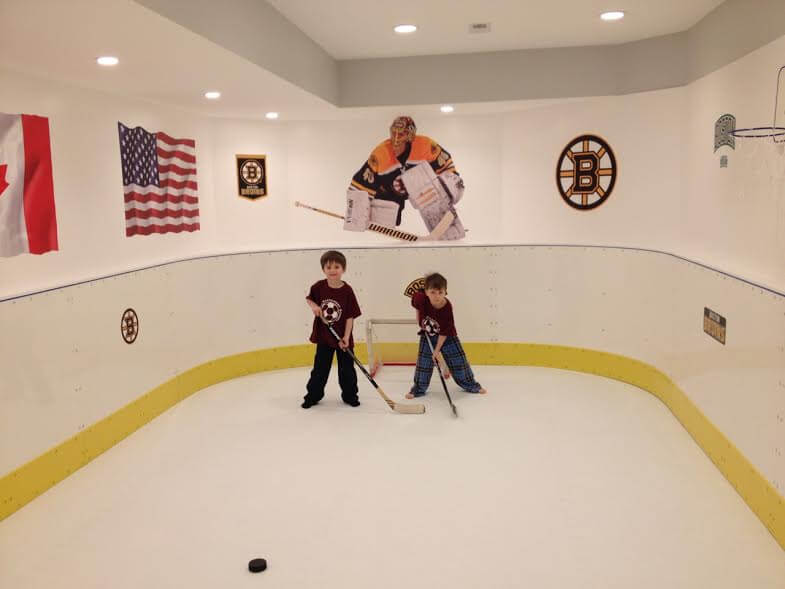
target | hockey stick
[
  {"x": 397, "y": 407},
  {"x": 434, "y": 235},
  {"x": 438, "y": 366}
]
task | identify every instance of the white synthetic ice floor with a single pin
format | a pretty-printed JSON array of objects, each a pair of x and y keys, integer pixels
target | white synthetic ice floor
[{"x": 552, "y": 480}]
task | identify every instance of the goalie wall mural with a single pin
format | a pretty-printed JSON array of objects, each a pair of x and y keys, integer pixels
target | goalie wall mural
[{"x": 406, "y": 168}]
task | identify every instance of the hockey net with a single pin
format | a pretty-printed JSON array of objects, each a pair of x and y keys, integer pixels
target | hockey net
[{"x": 391, "y": 342}]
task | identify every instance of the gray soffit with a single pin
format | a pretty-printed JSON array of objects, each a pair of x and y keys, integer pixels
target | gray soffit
[
  {"x": 651, "y": 64},
  {"x": 731, "y": 31},
  {"x": 253, "y": 29},
  {"x": 259, "y": 33}
]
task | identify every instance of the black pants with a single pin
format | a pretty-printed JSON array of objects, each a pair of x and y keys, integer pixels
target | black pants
[{"x": 322, "y": 362}]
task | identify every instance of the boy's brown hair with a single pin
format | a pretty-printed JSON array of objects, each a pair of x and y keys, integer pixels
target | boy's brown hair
[
  {"x": 435, "y": 280},
  {"x": 333, "y": 256}
]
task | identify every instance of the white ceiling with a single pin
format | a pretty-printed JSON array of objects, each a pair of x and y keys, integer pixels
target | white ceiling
[
  {"x": 160, "y": 61},
  {"x": 166, "y": 63},
  {"x": 355, "y": 29}
]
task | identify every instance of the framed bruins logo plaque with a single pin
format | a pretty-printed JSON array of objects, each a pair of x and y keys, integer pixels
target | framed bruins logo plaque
[{"x": 252, "y": 176}]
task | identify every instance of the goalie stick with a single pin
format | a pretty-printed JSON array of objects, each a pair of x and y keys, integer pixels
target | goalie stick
[
  {"x": 397, "y": 407},
  {"x": 434, "y": 235}
]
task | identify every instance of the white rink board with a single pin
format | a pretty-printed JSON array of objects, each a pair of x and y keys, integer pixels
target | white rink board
[{"x": 65, "y": 365}]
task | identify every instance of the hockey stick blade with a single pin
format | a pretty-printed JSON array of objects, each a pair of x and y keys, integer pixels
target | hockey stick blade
[{"x": 408, "y": 408}]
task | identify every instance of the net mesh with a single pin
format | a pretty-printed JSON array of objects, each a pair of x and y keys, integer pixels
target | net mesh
[
  {"x": 761, "y": 166},
  {"x": 391, "y": 341},
  {"x": 759, "y": 176}
]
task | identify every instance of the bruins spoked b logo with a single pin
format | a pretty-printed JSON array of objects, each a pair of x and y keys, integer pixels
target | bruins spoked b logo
[
  {"x": 129, "y": 326},
  {"x": 586, "y": 172},
  {"x": 414, "y": 286},
  {"x": 252, "y": 176}
]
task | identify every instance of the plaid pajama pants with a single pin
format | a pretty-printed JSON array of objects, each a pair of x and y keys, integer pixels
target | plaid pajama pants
[{"x": 456, "y": 360}]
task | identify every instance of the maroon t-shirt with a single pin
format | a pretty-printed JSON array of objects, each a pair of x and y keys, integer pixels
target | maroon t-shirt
[
  {"x": 338, "y": 304},
  {"x": 431, "y": 319}
]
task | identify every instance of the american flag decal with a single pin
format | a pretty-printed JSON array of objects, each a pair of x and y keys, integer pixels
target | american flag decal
[{"x": 159, "y": 182}]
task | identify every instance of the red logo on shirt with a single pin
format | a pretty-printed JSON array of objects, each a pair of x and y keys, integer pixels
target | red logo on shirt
[
  {"x": 331, "y": 311},
  {"x": 3, "y": 183}
]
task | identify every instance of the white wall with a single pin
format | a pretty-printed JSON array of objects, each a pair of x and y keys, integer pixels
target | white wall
[
  {"x": 734, "y": 218},
  {"x": 507, "y": 161},
  {"x": 644, "y": 132},
  {"x": 89, "y": 187},
  {"x": 242, "y": 223},
  {"x": 670, "y": 194},
  {"x": 64, "y": 364}
]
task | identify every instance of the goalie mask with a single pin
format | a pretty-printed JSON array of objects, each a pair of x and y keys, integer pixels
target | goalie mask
[{"x": 402, "y": 131}]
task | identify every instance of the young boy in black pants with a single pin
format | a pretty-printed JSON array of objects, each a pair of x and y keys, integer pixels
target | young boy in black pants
[{"x": 333, "y": 302}]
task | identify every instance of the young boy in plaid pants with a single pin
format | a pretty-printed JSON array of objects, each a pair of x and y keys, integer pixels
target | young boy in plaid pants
[{"x": 435, "y": 318}]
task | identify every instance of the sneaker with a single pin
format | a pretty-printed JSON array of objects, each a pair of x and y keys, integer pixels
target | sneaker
[
  {"x": 307, "y": 404},
  {"x": 353, "y": 403}
]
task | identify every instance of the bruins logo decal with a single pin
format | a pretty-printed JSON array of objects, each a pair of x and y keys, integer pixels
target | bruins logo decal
[
  {"x": 586, "y": 172},
  {"x": 414, "y": 286},
  {"x": 129, "y": 326}
]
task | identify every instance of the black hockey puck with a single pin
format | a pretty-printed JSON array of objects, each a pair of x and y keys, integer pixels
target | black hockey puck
[{"x": 257, "y": 565}]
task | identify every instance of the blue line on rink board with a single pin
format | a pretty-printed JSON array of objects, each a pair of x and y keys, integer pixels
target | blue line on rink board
[{"x": 367, "y": 247}]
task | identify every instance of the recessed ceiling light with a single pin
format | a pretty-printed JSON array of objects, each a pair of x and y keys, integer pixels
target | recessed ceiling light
[
  {"x": 107, "y": 60},
  {"x": 612, "y": 15},
  {"x": 405, "y": 29},
  {"x": 212, "y": 95},
  {"x": 447, "y": 108},
  {"x": 272, "y": 115}
]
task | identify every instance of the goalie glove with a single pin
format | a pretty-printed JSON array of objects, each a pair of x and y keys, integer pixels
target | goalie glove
[
  {"x": 358, "y": 210},
  {"x": 430, "y": 196},
  {"x": 453, "y": 184}
]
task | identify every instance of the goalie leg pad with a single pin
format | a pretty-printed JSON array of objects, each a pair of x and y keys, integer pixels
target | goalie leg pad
[
  {"x": 358, "y": 210},
  {"x": 384, "y": 212}
]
